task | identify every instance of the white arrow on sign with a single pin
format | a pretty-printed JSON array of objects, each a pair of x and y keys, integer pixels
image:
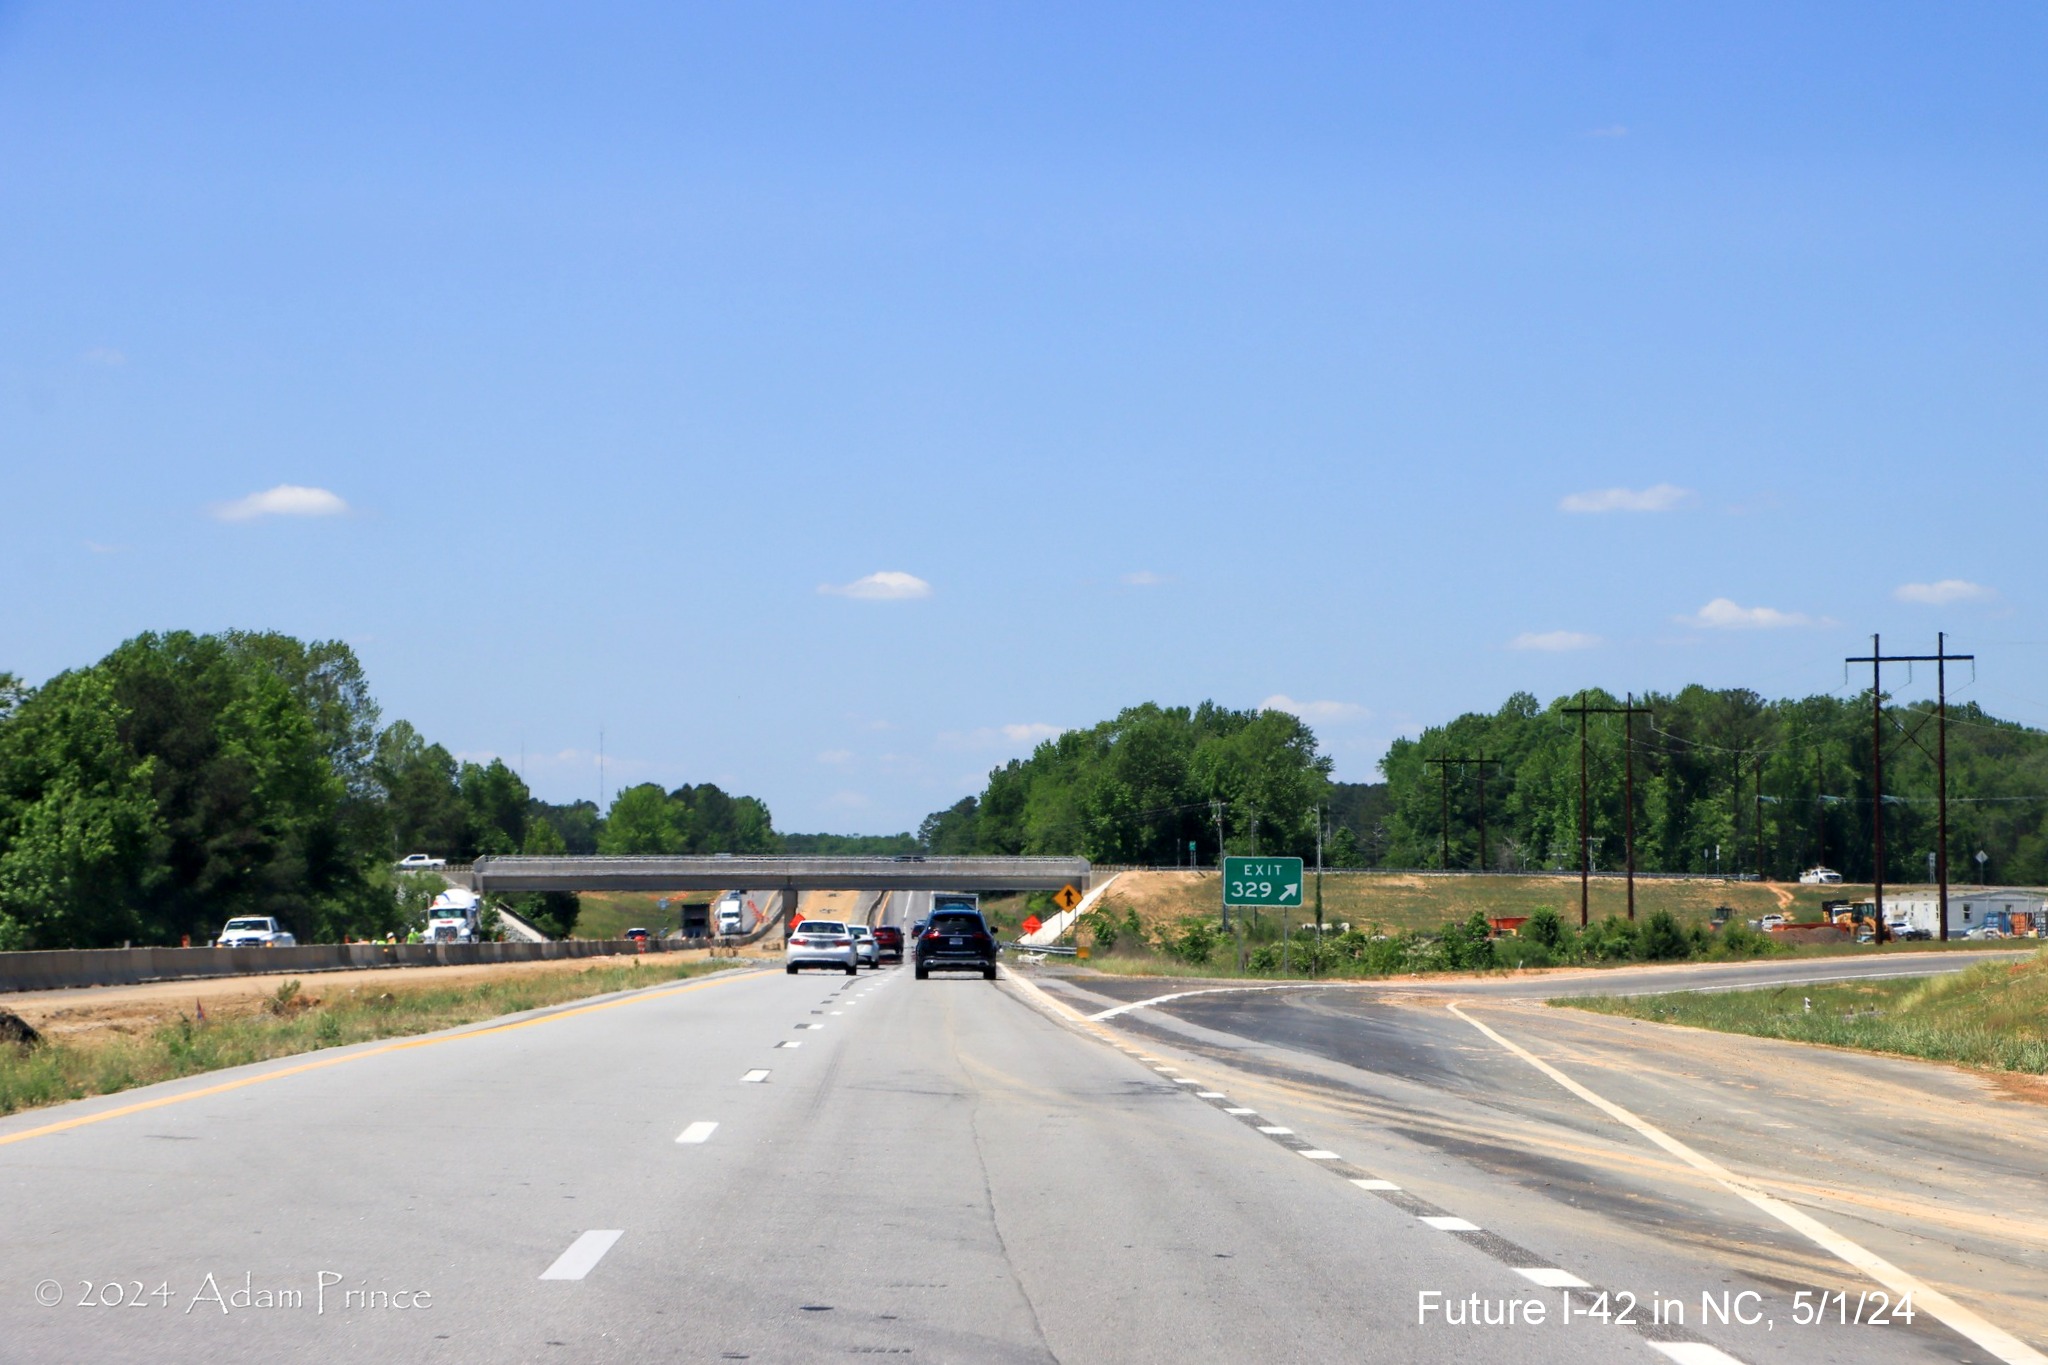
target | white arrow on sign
[{"x": 1289, "y": 891}]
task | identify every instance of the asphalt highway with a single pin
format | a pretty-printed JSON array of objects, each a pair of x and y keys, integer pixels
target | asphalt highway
[{"x": 762, "y": 1167}]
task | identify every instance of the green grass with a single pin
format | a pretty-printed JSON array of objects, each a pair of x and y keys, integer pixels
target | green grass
[
  {"x": 58, "y": 1071},
  {"x": 1993, "y": 1016},
  {"x": 607, "y": 914},
  {"x": 1395, "y": 902}
]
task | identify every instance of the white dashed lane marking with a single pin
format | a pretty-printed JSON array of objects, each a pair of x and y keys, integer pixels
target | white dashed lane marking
[
  {"x": 1376, "y": 1184},
  {"x": 1209, "y": 1094},
  {"x": 700, "y": 1131},
  {"x": 1272, "y": 1131},
  {"x": 1317, "y": 1154},
  {"x": 790, "y": 1043},
  {"x": 755, "y": 1077},
  {"x": 1695, "y": 1352},
  {"x": 1444, "y": 1223},
  {"x": 582, "y": 1256},
  {"x": 1550, "y": 1277}
]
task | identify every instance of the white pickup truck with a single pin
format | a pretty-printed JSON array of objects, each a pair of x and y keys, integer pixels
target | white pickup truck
[
  {"x": 421, "y": 862},
  {"x": 255, "y": 931}
]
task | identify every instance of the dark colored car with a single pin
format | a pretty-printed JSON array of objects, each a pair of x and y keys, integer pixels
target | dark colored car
[
  {"x": 956, "y": 941},
  {"x": 889, "y": 941}
]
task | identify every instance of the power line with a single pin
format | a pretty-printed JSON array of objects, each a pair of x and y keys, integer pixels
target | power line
[
  {"x": 1877, "y": 659},
  {"x": 1628, "y": 711}
]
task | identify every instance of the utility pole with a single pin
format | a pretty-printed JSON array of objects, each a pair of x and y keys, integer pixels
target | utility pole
[
  {"x": 1216, "y": 809},
  {"x": 1443, "y": 767},
  {"x": 1319, "y": 874},
  {"x": 1941, "y": 658},
  {"x": 1759, "y": 817},
  {"x": 1628, "y": 712}
]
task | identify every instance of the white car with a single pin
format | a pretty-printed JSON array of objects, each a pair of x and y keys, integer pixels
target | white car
[
  {"x": 1820, "y": 876},
  {"x": 821, "y": 943},
  {"x": 255, "y": 931},
  {"x": 1770, "y": 922},
  {"x": 421, "y": 862},
  {"x": 864, "y": 945}
]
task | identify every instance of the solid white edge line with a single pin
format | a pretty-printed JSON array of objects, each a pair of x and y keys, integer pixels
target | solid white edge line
[
  {"x": 700, "y": 1131},
  {"x": 1944, "y": 1309},
  {"x": 1550, "y": 1277},
  {"x": 582, "y": 1256}
]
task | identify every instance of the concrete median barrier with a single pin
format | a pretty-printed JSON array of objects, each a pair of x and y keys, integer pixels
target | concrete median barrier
[{"x": 70, "y": 968}]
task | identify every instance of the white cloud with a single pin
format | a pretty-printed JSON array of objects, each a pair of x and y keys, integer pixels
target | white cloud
[
  {"x": 1002, "y": 736},
  {"x": 1662, "y": 497},
  {"x": 1723, "y": 614},
  {"x": 889, "y": 585},
  {"x": 1314, "y": 710},
  {"x": 848, "y": 800},
  {"x": 1941, "y": 594},
  {"x": 1144, "y": 578},
  {"x": 1553, "y": 641},
  {"x": 285, "y": 500},
  {"x": 836, "y": 756}
]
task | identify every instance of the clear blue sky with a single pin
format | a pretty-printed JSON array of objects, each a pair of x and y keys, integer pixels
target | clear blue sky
[{"x": 1162, "y": 351}]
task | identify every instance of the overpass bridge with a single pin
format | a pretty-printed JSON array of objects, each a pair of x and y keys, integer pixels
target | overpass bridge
[{"x": 724, "y": 872}]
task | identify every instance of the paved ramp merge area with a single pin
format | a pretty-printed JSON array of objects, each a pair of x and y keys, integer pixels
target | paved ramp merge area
[{"x": 1052, "y": 1167}]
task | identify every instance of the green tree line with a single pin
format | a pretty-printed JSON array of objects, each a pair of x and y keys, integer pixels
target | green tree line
[
  {"x": 1142, "y": 787},
  {"x": 1724, "y": 780},
  {"x": 185, "y": 779}
]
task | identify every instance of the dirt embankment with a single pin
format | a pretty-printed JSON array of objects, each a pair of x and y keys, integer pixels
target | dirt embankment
[
  {"x": 81, "y": 1015},
  {"x": 1396, "y": 901}
]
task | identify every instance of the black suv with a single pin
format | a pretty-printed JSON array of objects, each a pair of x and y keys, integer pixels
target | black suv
[{"x": 956, "y": 941}]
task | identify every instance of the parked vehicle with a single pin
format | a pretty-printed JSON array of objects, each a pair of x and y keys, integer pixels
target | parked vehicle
[
  {"x": 956, "y": 940},
  {"x": 1770, "y": 922},
  {"x": 1820, "y": 876},
  {"x": 821, "y": 943},
  {"x": 421, "y": 862},
  {"x": 865, "y": 947},
  {"x": 637, "y": 935},
  {"x": 889, "y": 941},
  {"x": 255, "y": 931}
]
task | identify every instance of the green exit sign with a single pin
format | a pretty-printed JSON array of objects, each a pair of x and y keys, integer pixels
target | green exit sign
[{"x": 1266, "y": 883}]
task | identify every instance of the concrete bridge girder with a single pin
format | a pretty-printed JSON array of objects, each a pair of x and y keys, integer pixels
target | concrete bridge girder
[{"x": 764, "y": 873}]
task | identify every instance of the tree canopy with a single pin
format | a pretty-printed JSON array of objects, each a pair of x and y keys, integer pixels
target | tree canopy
[
  {"x": 1141, "y": 787},
  {"x": 185, "y": 779}
]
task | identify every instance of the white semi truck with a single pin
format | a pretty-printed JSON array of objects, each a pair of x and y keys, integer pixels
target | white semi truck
[
  {"x": 736, "y": 914},
  {"x": 456, "y": 916}
]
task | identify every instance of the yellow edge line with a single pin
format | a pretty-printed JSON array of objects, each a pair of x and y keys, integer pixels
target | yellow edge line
[
  {"x": 65, "y": 1125},
  {"x": 1999, "y": 1342}
]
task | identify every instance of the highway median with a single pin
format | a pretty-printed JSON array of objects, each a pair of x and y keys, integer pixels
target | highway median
[{"x": 294, "y": 1017}]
